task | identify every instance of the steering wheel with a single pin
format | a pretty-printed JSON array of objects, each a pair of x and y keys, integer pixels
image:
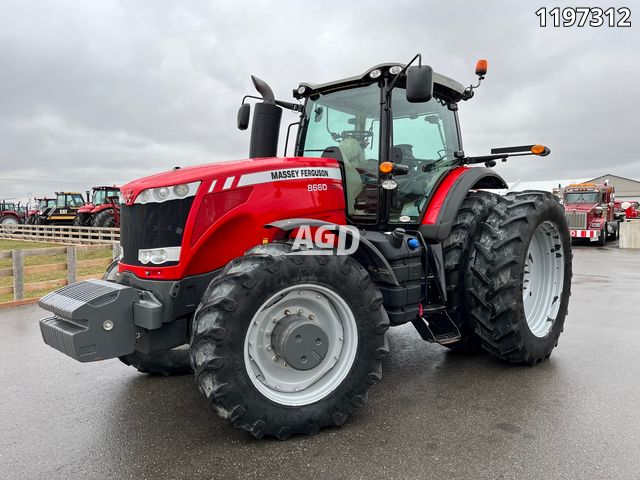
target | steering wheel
[{"x": 415, "y": 184}]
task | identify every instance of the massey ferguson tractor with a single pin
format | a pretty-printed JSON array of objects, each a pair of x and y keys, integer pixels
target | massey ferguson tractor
[
  {"x": 275, "y": 279},
  {"x": 103, "y": 210},
  {"x": 590, "y": 212}
]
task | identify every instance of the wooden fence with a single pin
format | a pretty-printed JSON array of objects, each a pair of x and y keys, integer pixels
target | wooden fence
[
  {"x": 61, "y": 234},
  {"x": 18, "y": 269}
]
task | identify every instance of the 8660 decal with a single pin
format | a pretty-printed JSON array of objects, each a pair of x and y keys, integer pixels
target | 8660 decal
[{"x": 584, "y": 17}]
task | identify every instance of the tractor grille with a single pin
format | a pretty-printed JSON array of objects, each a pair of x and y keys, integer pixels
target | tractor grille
[
  {"x": 152, "y": 225},
  {"x": 576, "y": 220}
]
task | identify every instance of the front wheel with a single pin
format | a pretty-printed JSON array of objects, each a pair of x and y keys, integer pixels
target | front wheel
[
  {"x": 286, "y": 344},
  {"x": 521, "y": 277}
]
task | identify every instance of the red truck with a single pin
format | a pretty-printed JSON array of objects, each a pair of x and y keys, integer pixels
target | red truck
[{"x": 589, "y": 209}]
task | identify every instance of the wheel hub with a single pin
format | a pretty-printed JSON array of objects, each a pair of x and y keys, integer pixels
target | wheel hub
[{"x": 301, "y": 342}]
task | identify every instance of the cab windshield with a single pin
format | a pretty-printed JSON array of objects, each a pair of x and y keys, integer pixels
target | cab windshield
[
  {"x": 581, "y": 197},
  {"x": 100, "y": 196},
  {"x": 424, "y": 137},
  {"x": 69, "y": 200}
]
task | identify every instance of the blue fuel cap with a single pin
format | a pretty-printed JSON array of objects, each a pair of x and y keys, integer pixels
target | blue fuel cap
[{"x": 413, "y": 243}]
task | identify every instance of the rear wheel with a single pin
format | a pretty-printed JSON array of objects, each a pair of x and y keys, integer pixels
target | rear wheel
[
  {"x": 456, "y": 250},
  {"x": 174, "y": 361},
  {"x": 521, "y": 277},
  {"x": 288, "y": 344}
]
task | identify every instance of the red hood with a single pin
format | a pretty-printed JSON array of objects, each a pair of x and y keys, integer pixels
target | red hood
[
  {"x": 86, "y": 208},
  {"x": 211, "y": 171},
  {"x": 580, "y": 207}
]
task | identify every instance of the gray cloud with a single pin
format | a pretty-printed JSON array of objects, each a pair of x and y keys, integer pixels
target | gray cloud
[{"x": 107, "y": 91}]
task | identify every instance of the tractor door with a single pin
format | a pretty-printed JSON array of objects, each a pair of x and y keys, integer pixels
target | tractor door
[{"x": 425, "y": 138}]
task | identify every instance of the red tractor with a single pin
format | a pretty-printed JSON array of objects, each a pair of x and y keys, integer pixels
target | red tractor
[
  {"x": 275, "y": 279},
  {"x": 102, "y": 211},
  {"x": 11, "y": 213},
  {"x": 590, "y": 212}
]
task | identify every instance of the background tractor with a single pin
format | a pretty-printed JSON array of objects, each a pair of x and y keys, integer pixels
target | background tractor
[
  {"x": 285, "y": 335},
  {"x": 63, "y": 212},
  {"x": 41, "y": 204},
  {"x": 11, "y": 213},
  {"x": 103, "y": 210}
]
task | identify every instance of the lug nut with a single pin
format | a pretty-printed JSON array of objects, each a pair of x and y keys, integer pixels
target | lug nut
[
  {"x": 268, "y": 347},
  {"x": 299, "y": 311},
  {"x": 267, "y": 333},
  {"x": 107, "y": 325},
  {"x": 275, "y": 358},
  {"x": 287, "y": 312},
  {"x": 312, "y": 317},
  {"x": 275, "y": 319}
]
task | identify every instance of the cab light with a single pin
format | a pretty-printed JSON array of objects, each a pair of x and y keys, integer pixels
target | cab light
[
  {"x": 375, "y": 73},
  {"x": 395, "y": 70},
  {"x": 386, "y": 167}
]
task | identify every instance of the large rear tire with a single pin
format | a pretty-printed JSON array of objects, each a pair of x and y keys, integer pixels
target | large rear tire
[
  {"x": 520, "y": 270},
  {"x": 287, "y": 344},
  {"x": 175, "y": 361},
  {"x": 456, "y": 250}
]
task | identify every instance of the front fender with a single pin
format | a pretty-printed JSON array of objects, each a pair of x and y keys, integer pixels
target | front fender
[{"x": 446, "y": 201}]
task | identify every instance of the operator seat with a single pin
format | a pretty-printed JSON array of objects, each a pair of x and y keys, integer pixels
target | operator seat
[{"x": 350, "y": 153}]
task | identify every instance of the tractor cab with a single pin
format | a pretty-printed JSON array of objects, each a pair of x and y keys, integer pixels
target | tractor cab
[{"x": 364, "y": 122}]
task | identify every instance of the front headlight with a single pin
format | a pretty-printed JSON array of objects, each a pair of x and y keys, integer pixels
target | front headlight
[
  {"x": 165, "y": 194},
  {"x": 161, "y": 193},
  {"x": 158, "y": 256},
  {"x": 181, "y": 190},
  {"x": 599, "y": 210}
]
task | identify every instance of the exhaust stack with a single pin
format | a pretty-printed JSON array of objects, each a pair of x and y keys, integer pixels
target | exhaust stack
[{"x": 265, "y": 129}]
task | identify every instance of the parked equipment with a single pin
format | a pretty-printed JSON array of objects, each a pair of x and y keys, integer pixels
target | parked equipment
[
  {"x": 103, "y": 210},
  {"x": 41, "y": 205},
  {"x": 11, "y": 213},
  {"x": 590, "y": 212},
  {"x": 63, "y": 212},
  {"x": 247, "y": 272}
]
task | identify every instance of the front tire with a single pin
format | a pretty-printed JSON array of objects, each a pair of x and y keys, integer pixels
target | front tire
[
  {"x": 287, "y": 344},
  {"x": 104, "y": 219},
  {"x": 521, "y": 277}
]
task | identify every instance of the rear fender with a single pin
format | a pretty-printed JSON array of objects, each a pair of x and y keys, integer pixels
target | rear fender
[{"x": 451, "y": 192}]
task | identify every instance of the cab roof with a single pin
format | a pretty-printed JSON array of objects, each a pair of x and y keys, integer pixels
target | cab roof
[{"x": 443, "y": 86}]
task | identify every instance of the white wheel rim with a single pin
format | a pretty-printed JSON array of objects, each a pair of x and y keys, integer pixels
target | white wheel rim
[
  {"x": 543, "y": 279},
  {"x": 270, "y": 374},
  {"x": 10, "y": 221}
]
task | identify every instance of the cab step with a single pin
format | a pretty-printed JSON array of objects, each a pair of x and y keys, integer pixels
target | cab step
[{"x": 435, "y": 325}]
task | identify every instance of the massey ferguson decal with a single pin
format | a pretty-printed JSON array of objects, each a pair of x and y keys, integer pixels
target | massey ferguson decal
[{"x": 289, "y": 174}]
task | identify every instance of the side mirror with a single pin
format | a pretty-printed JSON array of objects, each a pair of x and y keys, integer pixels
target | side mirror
[
  {"x": 243, "y": 116},
  {"x": 419, "y": 84}
]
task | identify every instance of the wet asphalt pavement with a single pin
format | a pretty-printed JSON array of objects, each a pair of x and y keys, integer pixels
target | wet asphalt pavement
[{"x": 435, "y": 414}]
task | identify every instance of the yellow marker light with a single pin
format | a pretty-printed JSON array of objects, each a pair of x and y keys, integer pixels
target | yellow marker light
[
  {"x": 538, "y": 149},
  {"x": 386, "y": 167}
]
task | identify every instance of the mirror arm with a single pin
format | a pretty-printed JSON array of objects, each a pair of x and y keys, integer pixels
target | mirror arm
[{"x": 404, "y": 69}]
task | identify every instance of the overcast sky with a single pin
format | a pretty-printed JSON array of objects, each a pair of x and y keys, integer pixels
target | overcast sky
[{"x": 105, "y": 91}]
